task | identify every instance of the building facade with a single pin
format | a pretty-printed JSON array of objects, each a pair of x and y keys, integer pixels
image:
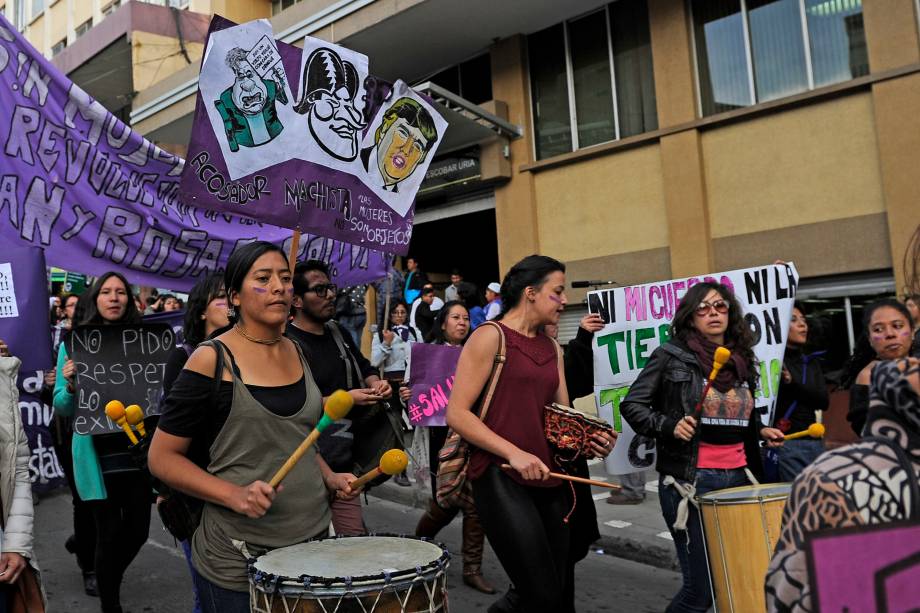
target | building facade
[{"x": 636, "y": 140}]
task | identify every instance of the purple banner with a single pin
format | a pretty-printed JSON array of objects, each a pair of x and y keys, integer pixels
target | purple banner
[
  {"x": 37, "y": 420},
  {"x": 97, "y": 196},
  {"x": 431, "y": 377},
  {"x": 253, "y": 155},
  {"x": 865, "y": 568},
  {"x": 24, "y": 305}
]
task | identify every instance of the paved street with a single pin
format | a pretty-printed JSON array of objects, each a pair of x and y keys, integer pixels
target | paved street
[{"x": 159, "y": 581}]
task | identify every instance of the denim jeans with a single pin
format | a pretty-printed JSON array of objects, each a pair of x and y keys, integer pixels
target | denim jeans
[
  {"x": 215, "y": 599},
  {"x": 696, "y": 592},
  {"x": 187, "y": 550},
  {"x": 795, "y": 455}
]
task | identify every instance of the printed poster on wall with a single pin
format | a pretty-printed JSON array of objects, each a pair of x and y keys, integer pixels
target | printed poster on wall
[{"x": 638, "y": 320}]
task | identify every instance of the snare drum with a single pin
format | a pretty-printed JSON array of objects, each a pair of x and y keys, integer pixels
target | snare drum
[
  {"x": 351, "y": 574},
  {"x": 742, "y": 525}
]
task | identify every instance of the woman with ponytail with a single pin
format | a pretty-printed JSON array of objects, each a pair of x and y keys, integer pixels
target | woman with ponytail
[{"x": 523, "y": 510}]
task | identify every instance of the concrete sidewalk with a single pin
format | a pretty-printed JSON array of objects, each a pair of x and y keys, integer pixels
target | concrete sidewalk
[{"x": 633, "y": 532}]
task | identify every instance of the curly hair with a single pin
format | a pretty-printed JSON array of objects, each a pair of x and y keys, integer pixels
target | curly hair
[
  {"x": 234, "y": 57},
  {"x": 738, "y": 334}
]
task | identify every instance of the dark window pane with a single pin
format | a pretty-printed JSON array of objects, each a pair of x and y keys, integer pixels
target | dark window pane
[
  {"x": 632, "y": 67},
  {"x": 448, "y": 78},
  {"x": 838, "y": 40},
  {"x": 546, "y": 52},
  {"x": 720, "y": 53},
  {"x": 591, "y": 74},
  {"x": 476, "y": 79},
  {"x": 777, "y": 47}
]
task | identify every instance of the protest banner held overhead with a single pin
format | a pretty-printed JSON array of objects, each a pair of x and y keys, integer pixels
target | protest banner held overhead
[
  {"x": 431, "y": 379},
  {"x": 638, "y": 320},
  {"x": 96, "y": 196},
  {"x": 123, "y": 363},
  {"x": 305, "y": 139}
]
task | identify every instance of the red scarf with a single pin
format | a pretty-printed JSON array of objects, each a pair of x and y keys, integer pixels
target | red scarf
[{"x": 735, "y": 370}]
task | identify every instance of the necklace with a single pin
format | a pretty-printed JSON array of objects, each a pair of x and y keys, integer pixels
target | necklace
[{"x": 261, "y": 341}]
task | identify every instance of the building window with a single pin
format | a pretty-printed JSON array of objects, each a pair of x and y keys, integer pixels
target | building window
[
  {"x": 84, "y": 27},
  {"x": 471, "y": 80},
  {"x": 282, "y": 5},
  {"x": 58, "y": 47},
  {"x": 750, "y": 51},
  {"x": 37, "y": 7},
  {"x": 109, "y": 9},
  {"x": 591, "y": 79}
]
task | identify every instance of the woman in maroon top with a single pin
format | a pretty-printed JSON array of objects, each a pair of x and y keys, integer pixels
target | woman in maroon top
[{"x": 522, "y": 509}]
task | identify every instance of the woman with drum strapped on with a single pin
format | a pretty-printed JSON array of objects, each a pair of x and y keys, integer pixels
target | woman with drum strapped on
[
  {"x": 522, "y": 509},
  {"x": 714, "y": 450},
  {"x": 266, "y": 403}
]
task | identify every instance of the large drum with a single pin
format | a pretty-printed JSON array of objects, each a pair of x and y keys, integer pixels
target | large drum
[
  {"x": 357, "y": 574},
  {"x": 742, "y": 525}
]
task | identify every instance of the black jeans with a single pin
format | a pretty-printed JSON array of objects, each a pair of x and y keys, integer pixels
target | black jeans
[
  {"x": 84, "y": 527},
  {"x": 526, "y": 529},
  {"x": 122, "y": 527},
  {"x": 695, "y": 594}
]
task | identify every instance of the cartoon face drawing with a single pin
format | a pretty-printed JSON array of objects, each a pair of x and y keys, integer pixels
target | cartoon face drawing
[
  {"x": 247, "y": 107},
  {"x": 330, "y": 101},
  {"x": 402, "y": 141},
  {"x": 400, "y": 150}
]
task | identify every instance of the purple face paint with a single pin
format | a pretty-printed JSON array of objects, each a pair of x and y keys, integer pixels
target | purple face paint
[
  {"x": 555, "y": 298},
  {"x": 259, "y": 290},
  {"x": 220, "y": 304},
  {"x": 290, "y": 290}
]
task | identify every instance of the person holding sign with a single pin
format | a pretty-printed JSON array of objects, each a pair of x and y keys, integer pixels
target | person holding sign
[
  {"x": 451, "y": 328},
  {"x": 523, "y": 509},
  {"x": 105, "y": 474},
  {"x": 232, "y": 419},
  {"x": 706, "y": 443}
]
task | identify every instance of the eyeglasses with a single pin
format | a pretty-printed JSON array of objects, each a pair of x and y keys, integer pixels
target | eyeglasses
[
  {"x": 322, "y": 289},
  {"x": 704, "y": 307}
]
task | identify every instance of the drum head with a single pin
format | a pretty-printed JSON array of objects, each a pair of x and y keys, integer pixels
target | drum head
[
  {"x": 747, "y": 493},
  {"x": 355, "y": 557}
]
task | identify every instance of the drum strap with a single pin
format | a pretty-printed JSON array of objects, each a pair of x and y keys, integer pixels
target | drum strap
[{"x": 687, "y": 493}]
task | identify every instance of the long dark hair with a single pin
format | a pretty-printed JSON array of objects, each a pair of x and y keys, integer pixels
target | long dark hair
[
  {"x": 436, "y": 336},
  {"x": 239, "y": 265},
  {"x": 90, "y": 313},
  {"x": 529, "y": 272},
  {"x": 206, "y": 290},
  {"x": 738, "y": 334},
  {"x": 863, "y": 353}
]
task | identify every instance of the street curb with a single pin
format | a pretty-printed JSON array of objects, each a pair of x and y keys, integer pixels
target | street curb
[{"x": 625, "y": 547}]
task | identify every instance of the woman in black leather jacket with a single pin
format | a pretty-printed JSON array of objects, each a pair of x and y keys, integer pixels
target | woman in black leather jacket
[{"x": 699, "y": 453}]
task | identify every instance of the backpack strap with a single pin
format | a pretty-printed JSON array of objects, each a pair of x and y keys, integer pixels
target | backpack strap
[
  {"x": 497, "y": 364},
  {"x": 333, "y": 328},
  {"x": 907, "y": 466}
]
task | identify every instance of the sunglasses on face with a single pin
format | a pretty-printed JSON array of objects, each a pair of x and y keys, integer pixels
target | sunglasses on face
[
  {"x": 322, "y": 289},
  {"x": 704, "y": 307}
]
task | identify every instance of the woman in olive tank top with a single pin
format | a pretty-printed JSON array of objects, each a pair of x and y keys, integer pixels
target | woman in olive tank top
[{"x": 223, "y": 449}]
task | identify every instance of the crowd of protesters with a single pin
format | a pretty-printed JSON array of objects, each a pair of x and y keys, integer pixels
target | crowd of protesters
[{"x": 263, "y": 346}]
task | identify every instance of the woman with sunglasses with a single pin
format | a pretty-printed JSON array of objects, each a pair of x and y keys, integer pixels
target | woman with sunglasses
[{"x": 697, "y": 453}]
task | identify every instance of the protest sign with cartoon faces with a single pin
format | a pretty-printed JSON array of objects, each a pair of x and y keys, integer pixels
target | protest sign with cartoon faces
[
  {"x": 249, "y": 100},
  {"x": 332, "y": 97},
  {"x": 399, "y": 146}
]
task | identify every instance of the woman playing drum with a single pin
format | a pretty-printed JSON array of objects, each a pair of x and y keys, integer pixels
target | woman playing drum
[
  {"x": 705, "y": 452},
  {"x": 220, "y": 447}
]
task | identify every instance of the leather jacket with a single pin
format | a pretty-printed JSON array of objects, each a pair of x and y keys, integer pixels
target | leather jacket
[{"x": 666, "y": 390}]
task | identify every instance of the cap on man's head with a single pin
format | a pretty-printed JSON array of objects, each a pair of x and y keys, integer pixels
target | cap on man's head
[{"x": 494, "y": 287}]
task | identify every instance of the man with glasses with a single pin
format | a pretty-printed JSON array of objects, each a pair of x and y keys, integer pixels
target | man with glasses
[{"x": 336, "y": 363}]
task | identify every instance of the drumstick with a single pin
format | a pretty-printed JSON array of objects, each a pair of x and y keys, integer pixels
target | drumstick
[
  {"x": 337, "y": 406},
  {"x": 392, "y": 462},
  {"x": 719, "y": 359},
  {"x": 135, "y": 416},
  {"x": 577, "y": 479},
  {"x": 814, "y": 431},
  {"x": 115, "y": 410}
]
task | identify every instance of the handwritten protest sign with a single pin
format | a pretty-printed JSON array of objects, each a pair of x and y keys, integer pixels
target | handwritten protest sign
[
  {"x": 45, "y": 469},
  {"x": 290, "y": 157},
  {"x": 638, "y": 320},
  {"x": 97, "y": 196},
  {"x": 24, "y": 306},
  {"x": 865, "y": 568},
  {"x": 431, "y": 378},
  {"x": 123, "y": 363}
]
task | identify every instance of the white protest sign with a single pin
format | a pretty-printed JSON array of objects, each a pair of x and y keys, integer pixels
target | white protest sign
[
  {"x": 8, "y": 306},
  {"x": 638, "y": 320}
]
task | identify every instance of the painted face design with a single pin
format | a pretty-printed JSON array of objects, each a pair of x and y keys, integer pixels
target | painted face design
[
  {"x": 401, "y": 149},
  {"x": 249, "y": 92}
]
